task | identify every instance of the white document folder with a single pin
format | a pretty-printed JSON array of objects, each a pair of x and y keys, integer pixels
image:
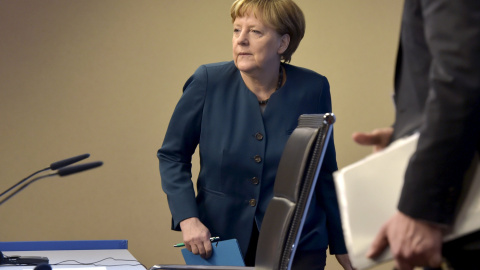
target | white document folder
[{"x": 368, "y": 192}]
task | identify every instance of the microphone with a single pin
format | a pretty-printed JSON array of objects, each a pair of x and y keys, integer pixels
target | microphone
[
  {"x": 24, "y": 260},
  {"x": 54, "y": 166},
  {"x": 79, "y": 168},
  {"x": 62, "y": 163},
  {"x": 61, "y": 172}
]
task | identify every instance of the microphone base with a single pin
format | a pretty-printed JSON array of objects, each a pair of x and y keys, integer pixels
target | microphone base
[{"x": 24, "y": 260}]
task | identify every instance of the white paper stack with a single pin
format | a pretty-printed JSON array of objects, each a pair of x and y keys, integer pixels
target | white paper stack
[{"x": 368, "y": 192}]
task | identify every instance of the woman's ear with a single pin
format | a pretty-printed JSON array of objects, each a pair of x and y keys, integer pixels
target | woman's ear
[{"x": 284, "y": 42}]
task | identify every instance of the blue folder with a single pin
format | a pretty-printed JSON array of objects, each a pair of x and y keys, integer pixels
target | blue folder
[{"x": 225, "y": 253}]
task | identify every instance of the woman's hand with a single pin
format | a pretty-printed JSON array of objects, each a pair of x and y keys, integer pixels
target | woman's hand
[
  {"x": 196, "y": 237},
  {"x": 344, "y": 261},
  {"x": 379, "y": 138}
]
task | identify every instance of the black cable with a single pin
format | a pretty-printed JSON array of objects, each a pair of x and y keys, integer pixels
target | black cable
[{"x": 96, "y": 263}]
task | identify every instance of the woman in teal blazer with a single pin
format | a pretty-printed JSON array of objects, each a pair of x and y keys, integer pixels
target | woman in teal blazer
[{"x": 241, "y": 139}]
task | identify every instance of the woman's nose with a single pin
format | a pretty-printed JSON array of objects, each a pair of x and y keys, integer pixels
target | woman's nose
[{"x": 242, "y": 38}]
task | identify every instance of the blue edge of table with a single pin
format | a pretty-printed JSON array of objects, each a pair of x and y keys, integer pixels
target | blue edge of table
[{"x": 64, "y": 245}]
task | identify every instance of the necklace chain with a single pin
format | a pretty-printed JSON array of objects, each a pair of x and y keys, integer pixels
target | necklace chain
[{"x": 279, "y": 84}]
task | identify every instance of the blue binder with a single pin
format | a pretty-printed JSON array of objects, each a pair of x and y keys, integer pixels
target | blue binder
[{"x": 225, "y": 253}]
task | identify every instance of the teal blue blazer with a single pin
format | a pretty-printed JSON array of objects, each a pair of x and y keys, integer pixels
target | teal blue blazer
[{"x": 240, "y": 149}]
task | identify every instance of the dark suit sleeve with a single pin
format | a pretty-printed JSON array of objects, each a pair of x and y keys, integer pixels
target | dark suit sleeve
[
  {"x": 326, "y": 187},
  {"x": 179, "y": 145},
  {"x": 450, "y": 129}
]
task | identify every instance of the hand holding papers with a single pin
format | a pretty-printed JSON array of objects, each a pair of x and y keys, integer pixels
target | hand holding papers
[{"x": 368, "y": 192}]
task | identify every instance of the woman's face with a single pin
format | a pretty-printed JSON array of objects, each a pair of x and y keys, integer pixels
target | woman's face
[{"x": 256, "y": 46}]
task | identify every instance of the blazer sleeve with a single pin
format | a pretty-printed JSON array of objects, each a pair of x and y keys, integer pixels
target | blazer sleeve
[
  {"x": 180, "y": 142},
  {"x": 326, "y": 186},
  {"x": 451, "y": 125}
]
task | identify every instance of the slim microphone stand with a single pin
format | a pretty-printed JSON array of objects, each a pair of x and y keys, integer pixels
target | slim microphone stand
[
  {"x": 25, "y": 179},
  {"x": 42, "y": 262},
  {"x": 34, "y": 260},
  {"x": 54, "y": 166},
  {"x": 24, "y": 186}
]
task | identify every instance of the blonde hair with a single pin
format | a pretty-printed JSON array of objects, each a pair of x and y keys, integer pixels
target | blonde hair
[{"x": 282, "y": 15}]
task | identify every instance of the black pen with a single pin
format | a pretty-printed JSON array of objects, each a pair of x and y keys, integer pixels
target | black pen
[{"x": 212, "y": 239}]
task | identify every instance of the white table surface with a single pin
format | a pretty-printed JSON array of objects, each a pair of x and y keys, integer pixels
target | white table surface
[{"x": 105, "y": 259}]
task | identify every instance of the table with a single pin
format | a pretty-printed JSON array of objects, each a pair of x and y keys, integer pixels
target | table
[{"x": 92, "y": 255}]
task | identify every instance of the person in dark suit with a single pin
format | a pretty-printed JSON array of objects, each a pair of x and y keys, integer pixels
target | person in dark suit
[
  {"x": 240, "y": 114},
  {"x": 437, "y": 93}
]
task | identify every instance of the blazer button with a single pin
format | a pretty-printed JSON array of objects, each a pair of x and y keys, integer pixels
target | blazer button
[
  {"x": 254, "y": 180},
  {"x": 259, "y": 136},
  {"x": 252, "y": 202},
  {"x": 257, "y": 158}
]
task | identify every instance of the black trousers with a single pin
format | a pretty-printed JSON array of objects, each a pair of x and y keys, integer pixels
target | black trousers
[
  {"x": 311, "y": 260},
  {"x": 252, "y": 247},
  {"x": 462, "y": 253}
]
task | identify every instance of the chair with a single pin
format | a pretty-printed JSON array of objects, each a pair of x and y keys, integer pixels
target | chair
[{"x": 294, "y": 185}]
